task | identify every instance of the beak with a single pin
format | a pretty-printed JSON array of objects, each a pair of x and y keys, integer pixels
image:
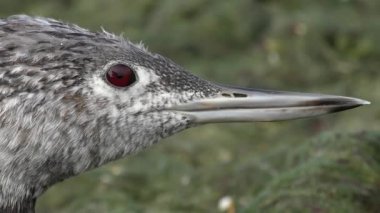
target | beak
[{"x": 240, "y": 104}]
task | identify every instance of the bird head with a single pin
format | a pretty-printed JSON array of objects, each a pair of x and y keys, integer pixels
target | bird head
[{"x": 72, "y": 100}]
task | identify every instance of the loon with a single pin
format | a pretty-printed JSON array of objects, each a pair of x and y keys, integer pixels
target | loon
[{"x": 72, "y": 100}]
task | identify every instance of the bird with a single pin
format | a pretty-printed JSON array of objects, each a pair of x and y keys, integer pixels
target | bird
[{"x": 72, "y": 100}]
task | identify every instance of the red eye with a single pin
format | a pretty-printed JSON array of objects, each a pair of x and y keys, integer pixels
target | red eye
[{"x": 120, "y": 75}]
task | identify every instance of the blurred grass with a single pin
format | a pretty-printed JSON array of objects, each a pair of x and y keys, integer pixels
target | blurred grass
[
  {"x": 326, "y": 164},
  {"x": 334, "y": 173}
]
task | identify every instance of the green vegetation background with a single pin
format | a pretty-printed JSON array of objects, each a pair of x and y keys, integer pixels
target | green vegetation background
[{"x": 325, "y": 164}]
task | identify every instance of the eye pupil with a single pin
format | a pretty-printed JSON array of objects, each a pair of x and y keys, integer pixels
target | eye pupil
[{"x": 120, "y": 75}]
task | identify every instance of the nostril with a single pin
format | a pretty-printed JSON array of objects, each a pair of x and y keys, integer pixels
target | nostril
[
  {"x": 240, "y": 95},
  {"x": 234, "y": 95},
  {"x": 226, "y": 95}
]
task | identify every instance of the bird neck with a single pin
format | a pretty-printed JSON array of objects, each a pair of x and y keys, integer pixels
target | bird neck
[{"x": 25, "y": 206}]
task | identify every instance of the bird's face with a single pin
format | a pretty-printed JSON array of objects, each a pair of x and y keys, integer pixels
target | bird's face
[{"x": 156, "y": 98}]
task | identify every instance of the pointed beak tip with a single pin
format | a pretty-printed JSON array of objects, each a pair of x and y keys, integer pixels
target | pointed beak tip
[
  {"x": 362, "y": 102},
  {"x": 366, "y": 103},
  {"x": 351, "y": 103}
]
